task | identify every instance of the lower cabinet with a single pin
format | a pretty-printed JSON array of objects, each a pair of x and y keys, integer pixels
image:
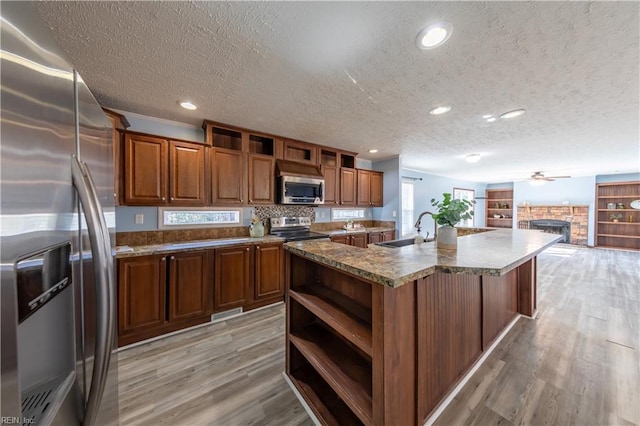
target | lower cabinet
[
  {"x": 378, "y": 237},
  {"x": 232, "y": 277},
  {"x": 248, "y": 276},
  {"x": 358, "y": 240},
  {"x": 162, "y": 293},
  {"x": 363, "y": 239}
]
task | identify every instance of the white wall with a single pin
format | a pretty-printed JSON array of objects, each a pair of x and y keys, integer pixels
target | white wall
[
  {"x": 391, "y": 189},
  {"x": 577, "y": 191}
]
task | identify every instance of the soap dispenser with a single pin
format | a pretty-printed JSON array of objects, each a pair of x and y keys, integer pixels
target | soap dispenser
[{"x": 418, "y": 239}]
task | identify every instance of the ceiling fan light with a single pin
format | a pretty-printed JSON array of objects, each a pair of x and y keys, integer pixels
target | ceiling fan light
[{"x": 536, "y": 182}]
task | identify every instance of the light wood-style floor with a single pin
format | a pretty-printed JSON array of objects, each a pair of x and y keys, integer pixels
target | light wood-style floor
[{"x": 577, "y": 363}]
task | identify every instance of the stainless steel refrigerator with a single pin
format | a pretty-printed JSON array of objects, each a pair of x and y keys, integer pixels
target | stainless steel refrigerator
[{"x": 57, "y": 224}]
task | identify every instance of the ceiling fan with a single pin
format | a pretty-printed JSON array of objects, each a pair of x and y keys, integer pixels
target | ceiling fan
[{"x": 539, "y": 176}]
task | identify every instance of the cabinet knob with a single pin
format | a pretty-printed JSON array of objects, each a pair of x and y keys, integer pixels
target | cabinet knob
[
  {"x": 173, "y": 258},
  {"x": 163, "y": 198},
  {"x": 172, "y": 198},
  {"x": 257, "y": 247},
  {"x": 241, "y": 200},
  {"x": 247, "y": 249},
  {"x": 163, "y": 259},
  {"x": 250, "y": 200}
]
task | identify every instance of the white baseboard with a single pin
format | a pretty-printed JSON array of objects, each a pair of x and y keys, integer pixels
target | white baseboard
[{"x": 302, "y": 400}]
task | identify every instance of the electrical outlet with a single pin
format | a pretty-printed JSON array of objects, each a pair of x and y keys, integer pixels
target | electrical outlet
[
  {"x": 139, "y": 218},
  {"x": 394, "y": 214}
]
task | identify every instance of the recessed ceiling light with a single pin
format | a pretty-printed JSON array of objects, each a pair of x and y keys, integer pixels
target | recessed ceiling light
[
  {"x": 434, "y": 35},
  {"x": 373, "y": 151},
  {"x": 512, "y": 114},
  {"x": 188, "y": 105},
  {"x": 491, "y": 119},
  {"x": 440, "y": 110},
  {"x": 472, "y": 158},
  {"x": 487, "y": 116}
]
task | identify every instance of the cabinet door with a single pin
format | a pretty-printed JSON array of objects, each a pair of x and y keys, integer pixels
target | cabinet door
[
  {"x": 377, "y": 199},
  {"x": 268, "y": 271},
  {"x": 186, "y": 179},
  {"x": 145, "y": 170},
  {"x": 375, "y": 237},
  {"x": 331, "y": 185},
  {"x": 232, "y": 275},
  {"x": 227, "y": 176},
  {"x": 141, "y": 294},
  {"x": 388, "y": 235},
  {"x": 364, "y": 187},
  {"x": 189, "y": 285},
  {"x": 261, "y": 179},
  {"x": 118, "y": 122},
  {"x": 347, "y": 187},
  {"x": 341, "y": 239},
  {"x": 359, "y": 240}
]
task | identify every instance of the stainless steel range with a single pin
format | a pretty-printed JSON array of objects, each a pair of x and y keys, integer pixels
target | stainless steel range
[{"x": 294, "y": 229}]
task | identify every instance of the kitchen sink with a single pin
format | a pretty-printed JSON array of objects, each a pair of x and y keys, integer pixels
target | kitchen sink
[{"x": 400, "y": 243}]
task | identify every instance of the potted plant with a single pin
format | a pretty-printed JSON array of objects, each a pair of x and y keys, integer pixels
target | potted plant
[
  {"x": 450, "y": 213},
  {"x": 616, "y": 217}
]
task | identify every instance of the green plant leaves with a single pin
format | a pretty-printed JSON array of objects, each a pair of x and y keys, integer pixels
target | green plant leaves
[{"x": 450, "y": 211}]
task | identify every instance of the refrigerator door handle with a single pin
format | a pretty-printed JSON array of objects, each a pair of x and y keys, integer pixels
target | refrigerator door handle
[{"x": 105, "y": 288}]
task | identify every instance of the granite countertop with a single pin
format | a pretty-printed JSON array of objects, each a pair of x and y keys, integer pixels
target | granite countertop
[
  {"x": 487, "y": 253},
  {"x": 355, "y": 231},
  {"x": 132, "y": 251}
]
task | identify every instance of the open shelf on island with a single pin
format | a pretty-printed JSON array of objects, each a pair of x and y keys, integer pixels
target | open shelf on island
[
  {"x": 342, "y": 314},
  {"x": 348, "y": 374},
  {"x": 321, "y": 398}
]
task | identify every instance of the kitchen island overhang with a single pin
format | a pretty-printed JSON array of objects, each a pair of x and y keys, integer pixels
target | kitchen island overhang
[{"x": 382, "y": 335}]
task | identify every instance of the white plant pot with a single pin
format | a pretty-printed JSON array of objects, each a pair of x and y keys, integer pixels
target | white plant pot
[{"x": 447, "y": 238}]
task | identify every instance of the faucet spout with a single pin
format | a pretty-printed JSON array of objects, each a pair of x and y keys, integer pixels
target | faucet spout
[{"x": 435, "y": 225}]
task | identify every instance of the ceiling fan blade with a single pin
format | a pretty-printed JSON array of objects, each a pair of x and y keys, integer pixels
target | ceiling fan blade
[{"x": 559, "y": 177}]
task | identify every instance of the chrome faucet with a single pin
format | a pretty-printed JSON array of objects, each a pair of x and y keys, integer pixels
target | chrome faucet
[{"x": 435, "y": 225}]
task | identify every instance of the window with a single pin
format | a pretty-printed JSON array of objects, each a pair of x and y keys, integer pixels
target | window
[
  {"x": 407, "y": 208},
  {"x": 466, "y": 194},
  {"x": 172, "y": 218},
  {"x": 339, "y": 215}
]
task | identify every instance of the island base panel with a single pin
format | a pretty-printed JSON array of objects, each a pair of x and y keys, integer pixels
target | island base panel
[{"x": 528, "y": 288}]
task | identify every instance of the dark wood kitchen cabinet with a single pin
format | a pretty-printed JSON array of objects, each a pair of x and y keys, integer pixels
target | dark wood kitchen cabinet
[
  {"x": 162, "y": 293},
  {"x": 269, "y": 271},
  {"x": 228, "y": 176},
  {"x": 186, "y": 174},
  {"x": 357, "y": 240},
  {"x": 376, "y": 195},
  {"x": 189, "y": 285},
  {"x": 261, "y": 179},
  {"x": 159, "y": 171},
  {"x": 300, "y": 152},
  {"x": 378, "y": 237},
  {"x": 232, "y": 278},
  {"x": 369, "y": 188},
  {"x": 364, "y": 187},
  {"x": 118, "y": 122},
  {"x": 145, "y": 170},
  {"x": 329, "y": 166},
  {"x": 347, "y": 186}
]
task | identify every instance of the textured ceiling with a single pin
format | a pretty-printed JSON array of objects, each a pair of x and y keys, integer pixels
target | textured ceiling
[{"x": 348, "y": 75}]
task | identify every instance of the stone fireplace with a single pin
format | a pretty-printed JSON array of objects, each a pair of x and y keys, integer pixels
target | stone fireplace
[{"x": 567, "y": 220}]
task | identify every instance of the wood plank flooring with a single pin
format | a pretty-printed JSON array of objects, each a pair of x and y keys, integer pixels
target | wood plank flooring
[{"x": 577, "y": 363}]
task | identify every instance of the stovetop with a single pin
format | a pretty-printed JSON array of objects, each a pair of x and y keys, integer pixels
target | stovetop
[{"x": 293, "y": 228}]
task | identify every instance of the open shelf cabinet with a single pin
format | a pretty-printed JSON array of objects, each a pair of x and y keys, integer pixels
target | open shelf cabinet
[
  {"x": 336, "y": 356},
  {"x": 499, "y": 202},
  {"x": 617, "y": 227}
]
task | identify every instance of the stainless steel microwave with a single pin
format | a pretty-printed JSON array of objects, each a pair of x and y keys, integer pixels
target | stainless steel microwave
[{"x": 300, "y": 190}]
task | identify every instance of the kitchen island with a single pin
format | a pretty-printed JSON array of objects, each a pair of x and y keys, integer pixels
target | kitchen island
[{"x": 381, "y": 335}]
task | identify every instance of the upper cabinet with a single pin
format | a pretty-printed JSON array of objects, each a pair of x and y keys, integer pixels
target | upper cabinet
[
  {"x": 331, "y": 171},
  {"x": 369, "y": 188},
  {"x": 301, "y": 152},
  {"x": 118, "y": 122},
  {"x": 158, "y": 171},
  {"x": 236, "y": 154},
  {"x": 348, "y": 180}
]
